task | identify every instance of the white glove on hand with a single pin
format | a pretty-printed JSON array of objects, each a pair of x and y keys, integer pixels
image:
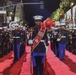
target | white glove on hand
[
  {"x": 46, "y": 49},
  {"x": 30, "y": 42},
  {"x": 58, "y": 39}
]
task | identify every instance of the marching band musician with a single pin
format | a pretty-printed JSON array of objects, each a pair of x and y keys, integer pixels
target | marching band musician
[{"x": 23, "y": 38}]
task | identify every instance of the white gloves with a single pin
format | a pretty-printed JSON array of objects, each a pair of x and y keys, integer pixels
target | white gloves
[
  {"x": 30, "y": 42},
  {"x": 46, "y": 49},
  {"x": 58, "y": 39}
]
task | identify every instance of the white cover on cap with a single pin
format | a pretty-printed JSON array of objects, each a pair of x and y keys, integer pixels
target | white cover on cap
[
  {"x": 1, "y": 28},
  {"x": 37, "y": 17}
]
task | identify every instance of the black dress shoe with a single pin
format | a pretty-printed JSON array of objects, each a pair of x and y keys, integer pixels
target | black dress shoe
[{"x": 62, "y": 59}]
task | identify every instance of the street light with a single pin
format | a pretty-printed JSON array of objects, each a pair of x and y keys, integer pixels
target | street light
[{"x": 72, "y": 3}]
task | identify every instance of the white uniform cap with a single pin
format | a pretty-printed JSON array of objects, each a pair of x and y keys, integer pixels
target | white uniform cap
[
  {"x": 37, "y": 17},
  {"x": 1, "y": 27}
]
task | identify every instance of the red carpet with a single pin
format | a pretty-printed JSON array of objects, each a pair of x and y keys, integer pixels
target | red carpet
[
  {"x": 58, "y": 67},
  {"x": 53, "y": 66},
  {"x": 25, "y": 70}
]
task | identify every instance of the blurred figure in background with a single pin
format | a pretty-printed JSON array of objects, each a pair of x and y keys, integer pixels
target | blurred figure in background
[
  {"x": 74, "y": 42},
  {"x": 62, "y": 40}
]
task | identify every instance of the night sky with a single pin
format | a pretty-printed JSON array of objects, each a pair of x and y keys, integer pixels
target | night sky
[{"x": 30, "y": 10}]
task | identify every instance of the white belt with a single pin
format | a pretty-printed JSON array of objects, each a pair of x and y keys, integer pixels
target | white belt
[
  {"x": 63, "y": 36},
  {"x": 42, "y": 41},
  {"x": 58, "y": 39},
  {"x": 16, "y": 37}
]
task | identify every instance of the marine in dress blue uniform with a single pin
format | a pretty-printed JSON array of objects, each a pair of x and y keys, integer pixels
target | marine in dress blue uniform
[
  {"x": 22, "y": 47},
  {"x": 55, "y": 42},
  {"x": 62, "y": 42},
  {"x": 5, "y": 41},
  {"x": 16, "y": 43},
  {"x": 39, "y": 51}
]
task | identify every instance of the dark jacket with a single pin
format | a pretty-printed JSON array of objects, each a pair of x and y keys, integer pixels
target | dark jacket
[
  {"x": 74, "y": 40},
  {"x": 40, "y": 47},
  {"x": 63, "y": 36},
  {"x": 16, "y": 37}
]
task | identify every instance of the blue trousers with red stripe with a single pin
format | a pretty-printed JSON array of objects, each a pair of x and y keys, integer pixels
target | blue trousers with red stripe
[
  {"x": 62, "y": 48},
  {"x": 38, "y": 63},
  {"x": 16, "y": 48}
]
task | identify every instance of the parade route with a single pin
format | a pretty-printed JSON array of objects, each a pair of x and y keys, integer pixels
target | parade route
[
  {"x": 37, "y": 37},
  {"x": 53, "y": 65}
]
